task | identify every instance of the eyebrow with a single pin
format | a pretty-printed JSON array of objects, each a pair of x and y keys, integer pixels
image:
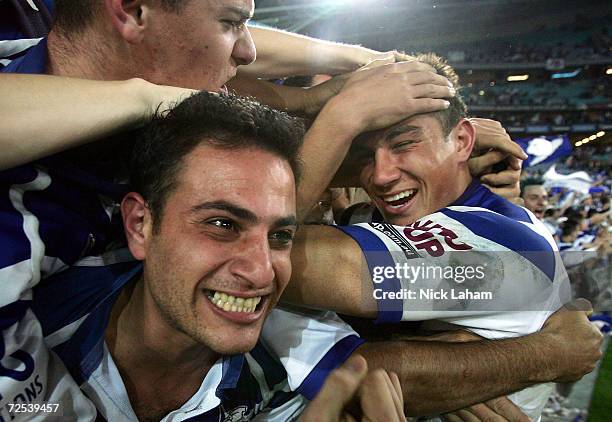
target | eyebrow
[
  {"x": 241, "y": 213},
  {"x": 402, "y": 130},
  {"x": 243, "y": 13}
]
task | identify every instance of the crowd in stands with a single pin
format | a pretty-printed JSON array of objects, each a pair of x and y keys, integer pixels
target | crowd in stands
[
  {"x": 582, "y": 41},
  {"x": 566, "y": 94}
]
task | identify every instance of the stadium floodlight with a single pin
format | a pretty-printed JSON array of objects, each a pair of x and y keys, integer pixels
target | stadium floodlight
[
  {"x": 585, "y": 140},
  {"x": 592, "y": 137},
  {"x": 600, "y": 133},
  {"x": 517, "y": 78},
  {"x": 579, "y": 143},
  {"x": 609, "y": 71}
]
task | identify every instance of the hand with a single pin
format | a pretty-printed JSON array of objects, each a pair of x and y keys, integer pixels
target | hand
[
  {"x": 499, "y": 410},
  {"x": 494, "y": 146},
  {"x": 574, "y": 339},
  {"x": 380, "y": 97},
  {"x": 317, "y": 96},
  {"x": 376, "y": 395}
]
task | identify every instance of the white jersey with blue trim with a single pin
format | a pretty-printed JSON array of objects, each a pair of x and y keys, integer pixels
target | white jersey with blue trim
[
  {"x": 57, "y": 355},
  {"x": 523, "y": 281}
]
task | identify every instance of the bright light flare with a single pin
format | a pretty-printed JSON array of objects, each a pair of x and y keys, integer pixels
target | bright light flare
[{"x": 517, "y": 78}]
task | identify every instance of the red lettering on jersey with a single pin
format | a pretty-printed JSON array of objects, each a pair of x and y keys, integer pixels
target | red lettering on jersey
[{"x": 425, "y": 240}]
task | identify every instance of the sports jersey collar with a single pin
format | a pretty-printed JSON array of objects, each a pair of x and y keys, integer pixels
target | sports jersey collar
[
  {"x": 477, "y": 195},
  {"x": 472, "y": 197},
  {"x": 34, "y": 61}
]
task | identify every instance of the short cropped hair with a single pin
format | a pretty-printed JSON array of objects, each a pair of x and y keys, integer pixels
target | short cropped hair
[
  {"x": 221, "y": 121},
  {"x": 457, "y": 110},
  {"x": 530, "y": 181},
  {"x": 73, "y": 16}
]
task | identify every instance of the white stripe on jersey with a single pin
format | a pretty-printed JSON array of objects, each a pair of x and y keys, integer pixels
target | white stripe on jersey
[
  {"x": 11, "y": 47},
  {"x": 31, "y": 224},
  {"x": 16, "y": 278},
  {"x": 301, "y": 338}
]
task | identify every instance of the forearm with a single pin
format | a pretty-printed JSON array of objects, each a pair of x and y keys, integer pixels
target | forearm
[
  {"x": 325, "y": 145},
  {"x": 286, "y": 98},
  {"x": 43, "y": 115},
  {"x": 440, "y": 377},
  {"x": 281, "y": 54}
]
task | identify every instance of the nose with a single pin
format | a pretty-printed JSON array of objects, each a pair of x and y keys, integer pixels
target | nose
[
  {"x": 253, "y": 262},
  {"x": 244, "y": 50},
  {"x": 386, "y": 171}
]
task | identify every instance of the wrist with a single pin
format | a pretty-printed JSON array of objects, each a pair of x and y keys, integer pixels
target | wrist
[
  {"x": 143, "y": 92},
  {"x": 549, "y": 346},
  {"x": 344, "y": 116}
]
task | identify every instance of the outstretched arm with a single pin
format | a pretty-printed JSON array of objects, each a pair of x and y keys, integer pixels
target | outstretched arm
[
  {"x": 43, "y": 115},
  {"x": 438, "y": 377},
  {"x": 281, "y": 54}
]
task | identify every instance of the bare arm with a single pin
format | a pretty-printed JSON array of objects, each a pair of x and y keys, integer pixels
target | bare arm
[
  {"x": 371, "y": 99},
  {"x": 281, "y": 54},
  {"x": 437, "y": 377},
  {"x": 43, "y": 115}
]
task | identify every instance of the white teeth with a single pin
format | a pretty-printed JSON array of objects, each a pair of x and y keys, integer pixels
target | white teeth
[
  {"x": 233, "y": 303},
  {"x": 400, "y": 195}
]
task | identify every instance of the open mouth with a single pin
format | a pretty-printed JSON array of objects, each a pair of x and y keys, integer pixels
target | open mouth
[
  {"x": 229, "y": 303},
  {"x": 400, "y": 199}
]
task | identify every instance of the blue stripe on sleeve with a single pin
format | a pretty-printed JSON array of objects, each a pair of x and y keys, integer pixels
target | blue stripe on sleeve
[
  {"x": 335, "y": 357},
  {"x": 377, "y": 255}
]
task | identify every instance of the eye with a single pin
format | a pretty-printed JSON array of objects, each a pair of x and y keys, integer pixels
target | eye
[
  {"x": 402, "y": 144},
  {"x": 238, "y": 25},
  {"x": 281, "y": 239},
  {"x": 222, "y": 223}
]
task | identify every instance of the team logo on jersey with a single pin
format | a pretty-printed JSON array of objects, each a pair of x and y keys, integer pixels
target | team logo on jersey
[
  {"x": 426, "y": 235},
  {"x": 396, "y": 237}
]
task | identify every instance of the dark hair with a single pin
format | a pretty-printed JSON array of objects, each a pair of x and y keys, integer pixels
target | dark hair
[
  {"x": 221, "y": 121},
  {"x": 457, "y": 110},
  {"x": 530, "y": 181},
  {"x": 569, "y": 226},
  {"x": 73, "y": 16}
]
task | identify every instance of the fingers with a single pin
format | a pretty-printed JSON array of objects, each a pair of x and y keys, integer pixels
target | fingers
[
  {"x": 483, "y": 413},
  {"x": 504, "y": 177},
  {"x": 432, "y": 91},
  {"x": 491, "y": 134},
  {"x": 514, "y": 163},
  {"x": 478, "y": 165},
  {"x": 380, "y": 399},
  {"x": 468, "y": 416},
  {"x": 398, "y": 397},
  {"x": 504, "y": 407},
  {"x": 427, "y": 105},
  {"x": 338, "y": 390}
]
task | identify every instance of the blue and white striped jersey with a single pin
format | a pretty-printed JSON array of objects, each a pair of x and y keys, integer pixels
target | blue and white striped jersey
[
  {"x": 523, "y": 280},
  {"x": 54, "y": 304},
  {"x": 73, "y": 368}
]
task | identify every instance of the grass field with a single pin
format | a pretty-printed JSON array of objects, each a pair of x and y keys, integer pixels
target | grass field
[{"x": 601, "y": 405}]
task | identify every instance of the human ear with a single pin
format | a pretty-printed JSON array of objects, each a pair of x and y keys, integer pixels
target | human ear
[
  {"x": 137, "y": 221},
  {"x": 129, "y": 17},
  {"x": 464, "y": 136}
]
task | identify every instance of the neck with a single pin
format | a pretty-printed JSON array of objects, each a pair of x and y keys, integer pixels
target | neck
[
  {"x": 85, "y": 56},
  {"x": 459, "y": 186},
  {"x": 144, "y": 344}
]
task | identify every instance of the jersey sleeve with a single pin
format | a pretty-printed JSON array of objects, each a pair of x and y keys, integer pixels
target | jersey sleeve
[
  {"x": 309, "y": 344},
  {"x": 474, "y": 269}
]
